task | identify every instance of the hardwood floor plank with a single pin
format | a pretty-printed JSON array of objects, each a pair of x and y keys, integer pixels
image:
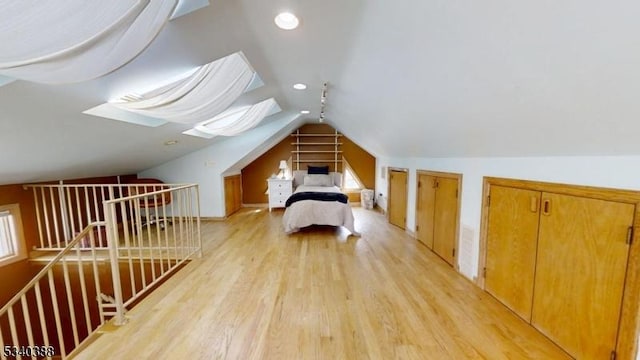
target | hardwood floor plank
[{"x": 319, "y": 294}]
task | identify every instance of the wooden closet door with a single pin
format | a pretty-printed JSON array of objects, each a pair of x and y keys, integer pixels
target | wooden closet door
[
  {"x": 426, "y": 208},
  {"x": 581, "y": 267},
  {"x": 398, "y": 198},
  {"x": 232, "y": 194},
  {"x": 445, "y": 218},
  {"x": 512, "y": 235}
]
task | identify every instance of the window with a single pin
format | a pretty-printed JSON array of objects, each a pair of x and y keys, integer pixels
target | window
[
  {"x": 350, "y": 180},
  {"x": 12, "y": 247}
]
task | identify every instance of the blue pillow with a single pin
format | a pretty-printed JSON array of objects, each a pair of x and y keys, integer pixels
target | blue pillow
[{"x": 324, "y": 170}]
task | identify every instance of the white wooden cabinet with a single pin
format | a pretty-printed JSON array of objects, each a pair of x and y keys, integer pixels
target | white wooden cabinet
[{"x": 279, "y": 192}]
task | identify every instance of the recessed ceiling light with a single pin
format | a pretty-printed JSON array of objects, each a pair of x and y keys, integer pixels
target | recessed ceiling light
[
  {"x": 305, "y": 112},
  {"x": 299, "y": 86},
  {"x": 171, "y": 142},
  {"x": 287, "y": 21}
]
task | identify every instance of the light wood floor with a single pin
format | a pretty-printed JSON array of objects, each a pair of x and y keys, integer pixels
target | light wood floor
[{"x": 260, "y": 294}]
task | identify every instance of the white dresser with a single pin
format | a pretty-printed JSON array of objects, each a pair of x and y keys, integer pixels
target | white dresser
[{"x": 279, "y": 192}]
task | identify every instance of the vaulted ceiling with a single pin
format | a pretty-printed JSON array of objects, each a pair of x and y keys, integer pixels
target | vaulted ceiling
[{"x": 418, "y": 78}]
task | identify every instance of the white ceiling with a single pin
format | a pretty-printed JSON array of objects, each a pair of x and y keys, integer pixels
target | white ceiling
[{"x": 419, "y": 78}]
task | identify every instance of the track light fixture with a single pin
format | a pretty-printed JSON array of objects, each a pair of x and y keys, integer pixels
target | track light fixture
[{"x": 323, "y": 101}]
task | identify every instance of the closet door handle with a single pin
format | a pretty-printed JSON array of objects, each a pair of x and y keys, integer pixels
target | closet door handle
[
  {"x": 534, "y": 204},
  {"x": 546, "y": 207}
]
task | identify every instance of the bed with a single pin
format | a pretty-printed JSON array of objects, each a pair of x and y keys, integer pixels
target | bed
[{"x": 317, "y": 200}]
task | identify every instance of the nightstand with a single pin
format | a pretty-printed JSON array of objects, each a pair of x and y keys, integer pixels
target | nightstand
[{"x": 279, "y": 191}]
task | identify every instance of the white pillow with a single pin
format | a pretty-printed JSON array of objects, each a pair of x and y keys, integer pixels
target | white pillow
[
  {"x": 298, "y": 177},
  {"x": 318, "y": 180}
]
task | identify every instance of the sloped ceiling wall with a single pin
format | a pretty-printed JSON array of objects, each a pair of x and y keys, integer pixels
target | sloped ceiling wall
[
  {"x": 407, "y": 78},
  {"x": 207, "y": 166},
  {"x": 254, "y": 175}
]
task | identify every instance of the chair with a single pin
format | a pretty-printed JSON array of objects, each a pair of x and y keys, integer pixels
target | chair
[{"x": 152, "y": 205}]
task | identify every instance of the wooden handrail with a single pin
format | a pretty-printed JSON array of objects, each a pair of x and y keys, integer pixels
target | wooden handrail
[
  {"x": 151, "y": 193},
  {"x": 165, "y": 247}
]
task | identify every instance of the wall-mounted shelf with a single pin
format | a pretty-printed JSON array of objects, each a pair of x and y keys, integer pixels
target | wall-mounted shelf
[
  {"x": 316, "y": 143},
  {"x": 321, "y": 154},
  {"x": 314, "y": 152},
  {"x": 297, "y": 134},
  {"x": 314, "y": 161}
]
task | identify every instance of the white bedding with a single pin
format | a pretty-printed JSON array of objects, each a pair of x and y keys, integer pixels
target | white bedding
[{"x": 314, "y": 212}]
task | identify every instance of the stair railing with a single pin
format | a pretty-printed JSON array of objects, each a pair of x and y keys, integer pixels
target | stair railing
[
  {"x": 146, "y": 237},
  {"x": 158, "y": 234},
  {"x": 51, "y": 315}
]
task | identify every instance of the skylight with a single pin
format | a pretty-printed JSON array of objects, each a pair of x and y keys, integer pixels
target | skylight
[
  {"x": 201, "y": 96},
  {"x": 197, "y": 96},
  {"x": 235, "y": 120}
]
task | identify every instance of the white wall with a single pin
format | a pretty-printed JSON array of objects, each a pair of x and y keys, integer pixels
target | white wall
[
  {"x": 621, "y": 172},
  {"x": 206, "y": 167}
]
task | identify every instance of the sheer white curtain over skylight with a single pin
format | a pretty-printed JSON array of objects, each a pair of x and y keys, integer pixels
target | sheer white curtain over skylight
[
  {"x": 236, "y": 120},
  {"x": 50, "y": 41},
  {"x": 200, "y": 96}
]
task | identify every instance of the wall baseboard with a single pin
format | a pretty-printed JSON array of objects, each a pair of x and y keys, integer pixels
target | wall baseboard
[{"x": 261, "y": 205}]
